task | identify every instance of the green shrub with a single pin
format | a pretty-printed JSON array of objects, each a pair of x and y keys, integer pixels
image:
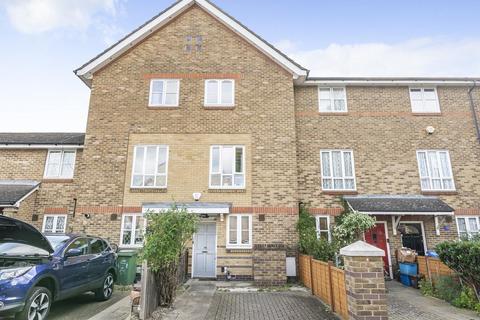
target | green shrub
[
  {"x": 426, "y": 287},
  {"x": 350, "y": 226},
  {"x": 466, "y": 299},
  {"x": 464, "y": 258},
  {"x": 447, "y": 288}
]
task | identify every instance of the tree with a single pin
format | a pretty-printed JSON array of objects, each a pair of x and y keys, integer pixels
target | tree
[
  {"x": 350, "y": 227},
  {"x": 166, "y": 238}
]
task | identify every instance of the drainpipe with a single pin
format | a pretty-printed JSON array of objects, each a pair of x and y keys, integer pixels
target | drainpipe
[{"x": 472, "y": 106}]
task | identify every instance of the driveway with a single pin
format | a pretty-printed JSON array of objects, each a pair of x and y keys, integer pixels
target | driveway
[
  {"x": 82, "y": 307},
  {"x": 233, "y": 301},
  {"x": 408, "y": 303}
]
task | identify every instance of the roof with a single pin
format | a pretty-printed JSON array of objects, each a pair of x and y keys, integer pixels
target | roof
[
  {"x": 392, "y": 81},
  {"x": 47, "y": 138},
  {"x": 382, "y": 204},
  {"x": 86, "y": 71},
  {"x": 14, "y": 191}
]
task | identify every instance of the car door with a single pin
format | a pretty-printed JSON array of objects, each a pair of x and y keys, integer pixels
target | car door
[
  {"x": 99, "y": 261},
  {"x": 74, "y": 273}
]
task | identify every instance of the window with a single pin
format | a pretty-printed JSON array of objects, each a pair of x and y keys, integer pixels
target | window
[
  {"x": 79, "y": 244},
  {"x": 239, "y": 231},
  {"x": 435, "y": 170},
  {"x": 97, "y": 246},
  {"x": 60, "y": 164},
  {"x": 424, "y": 100},
  {"x": 468, "y": 227},
  {"x": 164, "y": 92},
  {"x": 193, "y": 43},
  {"x": 338, "y": 170},
  {"x": 220, "y": 93},
  {"x": 54, "y": 223},
  {"x": 150, "y": 167},
  {"x": 323, "y": 227},
  {"x": 133, "y": 226},
  {"x": 332, "y": 99},
  {"x": 227, "y": 167}
]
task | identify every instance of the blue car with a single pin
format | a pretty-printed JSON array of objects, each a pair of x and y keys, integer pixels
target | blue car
[{"x": 37, "y": 269}]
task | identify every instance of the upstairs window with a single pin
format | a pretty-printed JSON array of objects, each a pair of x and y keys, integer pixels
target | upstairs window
[
  {"x": 150, "y": 167},
  {"x": 54, "y": 223},
  {"x": 239, "y": 231},
  {"x": 435, "y": 170},
  {"x": 424, "y": 100},
  {"x": 227, "y": 167},
  {"x": 164, "y": 93},
  {"x": 468, "y": 227},
  {"x": 220, "y": 93},
  {"x": 338, "y": 172},
  {"x": 323, "y": 227},
  {"x": 332, "y": 99},
  {"x": 60, "y": 164}
]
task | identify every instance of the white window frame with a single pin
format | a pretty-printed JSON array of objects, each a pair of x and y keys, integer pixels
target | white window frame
[
  {"x": 233, "y": 169},
  {"x": 239, "y": 245},
  {"x": 60, "y": 176},
  {"x": 134, "y": 216},
  {"x": 317, "y": 226},
  {"x": 422, "y": 89},
  {"x": 156, "y": 166},
  {"x": 219, "y": 94},
  {"x": 164, "y": 95},
  {"x": 477, "y": 218},
  {"x": 343, "y": 151},
  {"x": 55, "y": 218},
  {"x": 332, "y": 100},
  {"x": 441, "y": 174}
]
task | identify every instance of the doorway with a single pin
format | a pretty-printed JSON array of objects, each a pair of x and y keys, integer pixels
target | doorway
[
  {"x": 378, "y": 237},
  {"x": 204, "y": 261},
  {"x": 413, "y": 236}
]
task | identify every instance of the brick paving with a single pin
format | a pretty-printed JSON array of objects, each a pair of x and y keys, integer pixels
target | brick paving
[{"x": 267, "y": 306}]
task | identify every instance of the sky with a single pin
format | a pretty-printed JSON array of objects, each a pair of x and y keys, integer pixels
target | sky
[{"x": 43, "y": 41}]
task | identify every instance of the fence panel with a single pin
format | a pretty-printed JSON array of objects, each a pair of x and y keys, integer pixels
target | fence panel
[
  {"x": 305, "y": 270},
  {"x": 432, "y": 268},
  {"x": 321, "y": 281},
  {"x": 339, "y": 292}
]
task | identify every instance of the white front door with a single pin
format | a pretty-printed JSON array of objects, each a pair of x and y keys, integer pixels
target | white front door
[{"x": 204, "y": 251}]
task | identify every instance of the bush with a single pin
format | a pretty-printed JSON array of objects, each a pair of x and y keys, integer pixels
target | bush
[
  {"x": 165, "y": 240},
  {"x": 464, "y": 258},
  {"x": 350, "y": 226},
  {"x": 426, "y": 288},
  {"x": 466, "y": 299},
  {"x": 447, "y": 288}
]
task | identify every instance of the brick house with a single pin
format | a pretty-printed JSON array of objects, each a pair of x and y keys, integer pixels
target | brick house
[{"x": 195, "y": 109}]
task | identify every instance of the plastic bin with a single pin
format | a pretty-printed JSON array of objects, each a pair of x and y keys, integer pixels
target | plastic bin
[
  {"x": 410, "y": 269},
  {"x": 405, "y": 280},
  {"x": 127, "y": 267}
]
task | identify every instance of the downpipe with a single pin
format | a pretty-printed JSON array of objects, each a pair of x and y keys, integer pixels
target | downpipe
[{"x": 472, "y": 106}]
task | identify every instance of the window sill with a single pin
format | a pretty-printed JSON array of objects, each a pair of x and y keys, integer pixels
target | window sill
[
  {"x": 53, "y": 180},
  {"x": 340, "y": 192},
  {"x": 219, "y": 107},
  {"x": 439, "y": 193},
  {"x": 129, "y": 247},
  {"x": 148, "y": 190},
  {"x": 213, "y": 190},
  {"x": 333, "y": 113},
  {"x": 163, "y": 108},
  {"x": 427, "y": 114},
  {"x": 239, "y": 250}
]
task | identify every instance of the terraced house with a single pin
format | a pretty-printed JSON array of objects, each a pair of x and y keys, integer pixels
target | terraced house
[{"x": 195, "y": 109}]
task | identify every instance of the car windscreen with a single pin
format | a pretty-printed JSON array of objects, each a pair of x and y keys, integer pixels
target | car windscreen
[
  {"x": 20, "y": 249},
  {"x": 57, "y": 241}
]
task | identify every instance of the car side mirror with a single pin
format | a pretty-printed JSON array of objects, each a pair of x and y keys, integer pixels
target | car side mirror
[{"x": 73, "y": 253}]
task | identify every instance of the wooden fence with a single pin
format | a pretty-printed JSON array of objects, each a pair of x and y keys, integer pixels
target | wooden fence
[
  {"x": 433, "y": 268},
  {"x": 326, "y": 282}
]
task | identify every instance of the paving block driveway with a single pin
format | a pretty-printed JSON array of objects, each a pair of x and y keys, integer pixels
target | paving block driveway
[{"x": 267, "y": 306}]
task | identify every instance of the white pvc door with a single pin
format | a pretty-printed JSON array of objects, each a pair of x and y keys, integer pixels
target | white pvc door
[{"x": 204, "y": 251}]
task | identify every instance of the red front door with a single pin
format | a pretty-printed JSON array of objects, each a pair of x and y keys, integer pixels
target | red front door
[{"x": 378, "y": 237}]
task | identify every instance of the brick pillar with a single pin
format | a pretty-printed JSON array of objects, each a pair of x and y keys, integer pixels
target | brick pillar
[{"x": 365, "y": 282}]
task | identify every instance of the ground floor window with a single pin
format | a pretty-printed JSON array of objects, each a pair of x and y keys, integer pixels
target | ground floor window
[
  {"x": 239, "y": 231},
  {"x": 323, "y": 227},
  {"x": 133, "y": 227},
  {"x": 54, "y": 223},
  {"x": 468, "y": 227}
]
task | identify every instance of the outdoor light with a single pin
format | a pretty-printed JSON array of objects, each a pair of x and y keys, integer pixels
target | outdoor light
[{"x": 197, "y": 196}]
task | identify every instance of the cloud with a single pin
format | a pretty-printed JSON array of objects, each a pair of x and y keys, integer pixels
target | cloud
[
  {"x": 37, "y": 16},
  {"x": 416, "y": 57}
]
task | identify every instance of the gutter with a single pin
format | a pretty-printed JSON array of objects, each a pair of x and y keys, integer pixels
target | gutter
[{"x": 472, "y": 106}]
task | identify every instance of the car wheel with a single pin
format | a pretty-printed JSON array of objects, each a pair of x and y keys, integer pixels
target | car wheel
[
  {"x": 37, "y": 305},
  {"x": 106, "y": 290}
]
